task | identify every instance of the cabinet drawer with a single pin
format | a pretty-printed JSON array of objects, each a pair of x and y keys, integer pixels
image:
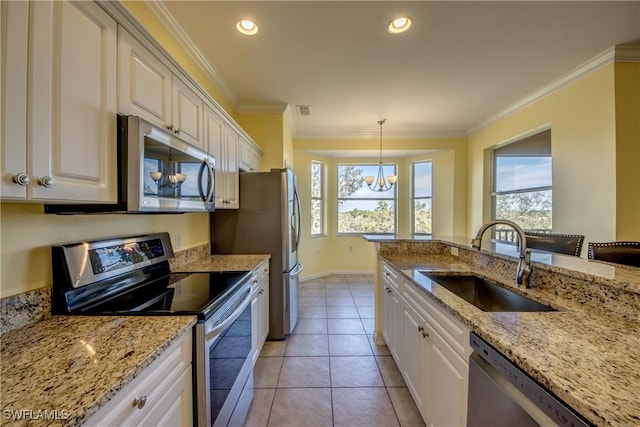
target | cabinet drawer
[
  {"x": 390, "y": 276},
  {"x": 152, "y": 384},
  {"x": 452, "y": 330}
]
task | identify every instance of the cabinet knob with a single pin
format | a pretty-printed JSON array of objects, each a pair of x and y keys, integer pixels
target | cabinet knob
[
  {"x": 140, "y": 401},
  {"x": 177, "y": 131},
  {"x": 21, "y": 179},
  {"x": 170, "y": 127},
  {"x": 424, "y": 332},
  {"x": 261, "y": 291},
  {"x": 46, "y": 182},
  {"x": 386, "y": 273}
]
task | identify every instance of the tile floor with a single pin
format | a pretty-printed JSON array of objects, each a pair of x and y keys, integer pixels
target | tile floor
[{"x": 329, "y": 372}]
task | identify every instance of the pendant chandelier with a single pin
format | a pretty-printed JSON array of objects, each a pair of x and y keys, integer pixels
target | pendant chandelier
[{"x": 379, "y": 183}]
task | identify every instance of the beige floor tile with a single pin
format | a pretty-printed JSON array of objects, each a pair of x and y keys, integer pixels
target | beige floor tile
[
  {"x": 307, "y": 345},
  {"x": 266, "y": 372},
  {"x": 312, "y": 301},
  {"x": 342, "y": 313},
  {"x": 312, "y": 292},
  {"x": 338, "y": 292},
  {"x": 349, "y": 345},
  {"x": 367, "y": 312},
  {"x": 345, "y": 301},
  {"x": 310, "y": 326},
  {"x": 355, "y": 279},
  {"x": 363, "y": 292},
  {"x": 337, "y": 285},
  {"x": 345, "y": 326},
  {"x": 274, "y": 348},
  {"x": 378, "y": 349},
  {"x": 362, "y": 407},
  {"x": 355, "y": 371},
  {"x": 369, "y": 325},
  {"x": 390, "y": 372},
  {"x": 405, "y": 408},
  {"x": 333, "y": 278},
  {"x": 312, "y": 313},
  {"x": 313, "y": 283},
  {"x": 302, "y": 372},
  {"x": 260, "y": 408},
  {"x": 364, "y": 301},
  {"x": 296, "y": 407}
]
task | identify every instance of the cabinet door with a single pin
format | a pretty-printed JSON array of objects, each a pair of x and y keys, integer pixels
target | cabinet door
[
  {"x": 414, "y": 355},
  {"x": 72, "y": 105},
  {"x": 396, "y": 326},
  {"x": 14, "y": 44},
  {"x": 447, "y": 377},
  {"x": 187, "y": 113},
  {"x": 175, "y": 408},
  {"x": 231, "y": 154},
  {"x": 264, "y": 313},
  {"x": 144, "y": 82},
  {"x": 256, "y": 161},
  {"x": 255, "y": 320},
  {"x": 245, "y": 155},
  {"x": 214, "y": 143}
]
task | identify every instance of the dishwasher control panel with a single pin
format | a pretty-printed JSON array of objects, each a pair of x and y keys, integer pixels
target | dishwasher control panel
[{"x": 553, "y": 407}]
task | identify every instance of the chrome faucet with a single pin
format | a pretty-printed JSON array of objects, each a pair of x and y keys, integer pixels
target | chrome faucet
[{"x": 523, "y": 271}]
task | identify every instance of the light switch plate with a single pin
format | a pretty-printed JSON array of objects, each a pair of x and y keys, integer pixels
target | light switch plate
[{"x": 454, "y": 251}]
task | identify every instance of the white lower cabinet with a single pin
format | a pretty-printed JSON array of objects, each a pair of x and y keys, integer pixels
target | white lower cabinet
[
  {"x": 430, "y": 347},
  {"x": 161, "y": 395},
  {"x": 260, "y": 308}
]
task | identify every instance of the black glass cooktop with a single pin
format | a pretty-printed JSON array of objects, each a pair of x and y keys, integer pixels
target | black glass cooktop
[{"x": 178, "y": 293}]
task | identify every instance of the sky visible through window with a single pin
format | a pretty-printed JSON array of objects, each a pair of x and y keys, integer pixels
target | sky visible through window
[
  {"x": 365, "y": 193},
  {"x": 518, "y": 173}
]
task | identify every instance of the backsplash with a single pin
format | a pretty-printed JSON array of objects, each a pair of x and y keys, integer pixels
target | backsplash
[{"x": 30, "y": 307}]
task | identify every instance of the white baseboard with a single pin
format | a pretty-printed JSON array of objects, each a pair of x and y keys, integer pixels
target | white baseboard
[{"x": 333, "y": 273}]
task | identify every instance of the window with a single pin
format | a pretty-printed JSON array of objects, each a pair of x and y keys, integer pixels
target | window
[
  {"x": 422, "y": 196},
  {"x": 522, "y": 184},
  {"x": 361, "y": 210},
  {"x": 317, "y": 199}
]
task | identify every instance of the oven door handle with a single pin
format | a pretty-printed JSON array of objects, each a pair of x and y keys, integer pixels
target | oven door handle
[{"x": 210, "y": 335}]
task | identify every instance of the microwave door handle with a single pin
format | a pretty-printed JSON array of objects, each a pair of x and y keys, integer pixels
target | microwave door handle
[
  {"x": 200, "y": 172},
  {"x": 211, "y": 184}
]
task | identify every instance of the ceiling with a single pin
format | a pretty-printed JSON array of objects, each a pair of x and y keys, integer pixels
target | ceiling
[{"x": 459, "y": 64}]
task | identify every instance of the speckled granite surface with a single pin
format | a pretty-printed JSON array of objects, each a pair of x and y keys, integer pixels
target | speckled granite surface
[
  {"x": 586, "y": 353},
  {"x": 74, "y": 364},
  {"x": 23, "y": 309},
  {"x": 224, "y": 263}
]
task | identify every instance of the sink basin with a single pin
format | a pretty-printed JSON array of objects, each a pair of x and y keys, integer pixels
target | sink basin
[{"x": 485, "y": 295}]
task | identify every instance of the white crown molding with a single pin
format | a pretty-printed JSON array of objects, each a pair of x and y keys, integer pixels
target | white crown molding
[
  {"x": 177, "y": 31},
  {"x": 387, "y": 134},
  {"x": 614, "y": 54}
]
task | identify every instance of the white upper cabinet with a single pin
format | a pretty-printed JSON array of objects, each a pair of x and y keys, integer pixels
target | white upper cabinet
[
  {"x": 144, "y": 82},
  {"x": 150, "y": 90},
  {"x": 249, "y": 157},
  {"x": 68, "y": 149},
  {"x": 222, "y": 144}
]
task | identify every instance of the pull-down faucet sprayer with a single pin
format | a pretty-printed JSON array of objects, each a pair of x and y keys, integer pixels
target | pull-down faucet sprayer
[{"x": 523, "y": 271}]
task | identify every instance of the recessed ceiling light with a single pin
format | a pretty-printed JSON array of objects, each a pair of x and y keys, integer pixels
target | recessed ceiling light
[
  {"x": 247, "y": 27},
  {"x": 399, "y": 25}
]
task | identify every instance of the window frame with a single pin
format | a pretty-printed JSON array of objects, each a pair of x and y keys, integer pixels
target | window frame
[
  {"x": 508, "y": 235},
  {"x": 322, "y": 199},
  {"x": 413, "y": 197},
  {"x": 394, "y": 199}
]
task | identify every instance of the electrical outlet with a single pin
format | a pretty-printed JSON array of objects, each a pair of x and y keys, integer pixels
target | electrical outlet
[
  {"x": 178, "y": 240},
  {"x": 454, "y": 251}
]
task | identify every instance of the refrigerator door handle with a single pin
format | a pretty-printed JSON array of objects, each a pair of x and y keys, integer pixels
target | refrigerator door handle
[
  {"x": 297, "y": 270},
  {"x": 295, "y": 193}
]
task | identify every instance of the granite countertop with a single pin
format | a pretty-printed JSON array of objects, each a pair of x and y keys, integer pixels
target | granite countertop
[
  {"x": 70, "y": 366},
  {"x": 223, "y": 263},
  {"x": 587, "y": 358}
]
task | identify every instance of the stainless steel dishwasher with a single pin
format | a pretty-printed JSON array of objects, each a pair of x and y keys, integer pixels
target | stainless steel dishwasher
[{"x": 502, "y": 394}]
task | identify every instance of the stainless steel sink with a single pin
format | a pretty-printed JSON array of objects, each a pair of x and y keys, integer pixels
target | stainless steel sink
[{"x": 485, "y": 295}]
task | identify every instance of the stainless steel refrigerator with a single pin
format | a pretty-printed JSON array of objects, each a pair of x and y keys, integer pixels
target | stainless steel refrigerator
[{"x": 267, "y": 222}]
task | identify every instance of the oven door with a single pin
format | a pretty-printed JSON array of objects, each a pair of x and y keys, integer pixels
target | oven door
[{"x": 224, "y": 361}]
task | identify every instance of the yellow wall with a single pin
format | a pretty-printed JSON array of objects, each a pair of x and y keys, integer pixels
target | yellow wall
[
  {"x": 322, "y": 255},
  {"x": 27, "y": 235},
  {"x": 582, "y": 121},
  {"x": 627, "y": 94},
  {"x": 266, "y": 130}
]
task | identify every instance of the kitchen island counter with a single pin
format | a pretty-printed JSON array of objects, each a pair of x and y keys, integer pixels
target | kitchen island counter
[
  {"x": 62, "y": 370},
  {"x": 584, "y": 355}
]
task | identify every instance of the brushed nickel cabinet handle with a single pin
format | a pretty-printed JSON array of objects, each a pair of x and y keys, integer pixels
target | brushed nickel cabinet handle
[
  {"x": 140, "y": 402},
  {"x": 21, "y": 179},
  {"x": 46, "y": 182}
]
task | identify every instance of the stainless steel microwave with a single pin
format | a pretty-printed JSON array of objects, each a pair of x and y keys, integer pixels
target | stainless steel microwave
[{"x": 157, "y": 173}]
